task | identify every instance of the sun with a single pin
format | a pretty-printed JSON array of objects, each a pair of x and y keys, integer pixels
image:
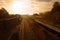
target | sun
[{"x": 18, "y": 7}]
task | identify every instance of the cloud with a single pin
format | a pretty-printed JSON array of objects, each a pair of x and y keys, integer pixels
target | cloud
[{"x": 4, "y": 3}]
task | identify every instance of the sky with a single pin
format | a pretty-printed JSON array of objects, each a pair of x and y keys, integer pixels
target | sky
[{"x": 32, "y": 6}]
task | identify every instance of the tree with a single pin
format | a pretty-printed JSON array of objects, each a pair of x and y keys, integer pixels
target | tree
[
  {"x": 3, "y": 13},
  {"x": 56, "y": 7},
  {"x": 55, "y": 13}
]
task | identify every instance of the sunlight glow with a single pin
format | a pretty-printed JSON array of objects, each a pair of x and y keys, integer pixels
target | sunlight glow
[
  {"x": 25, "y": 7},
  {"x": 18, "y": 7}
]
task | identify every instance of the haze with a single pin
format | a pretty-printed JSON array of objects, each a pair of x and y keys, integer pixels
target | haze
[{"x": 26, "y": 7}]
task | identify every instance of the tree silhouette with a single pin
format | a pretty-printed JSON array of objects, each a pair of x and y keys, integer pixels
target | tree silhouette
[
  {"x": 3, "y": 13},
  {"x": 56, "y": 7}
]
